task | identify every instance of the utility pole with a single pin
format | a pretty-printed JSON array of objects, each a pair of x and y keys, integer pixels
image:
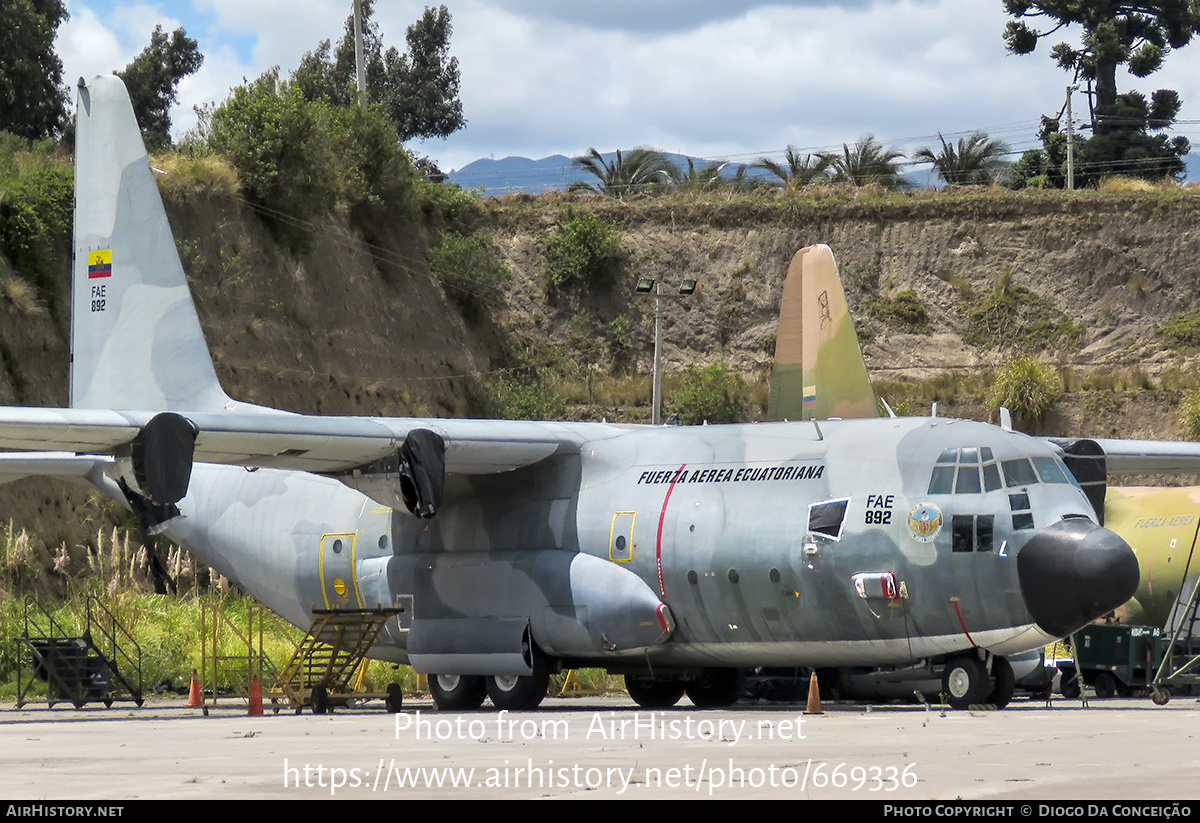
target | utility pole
[
  {"x": 359, "y": 73},
  {"x": 1070, "y": 140}
]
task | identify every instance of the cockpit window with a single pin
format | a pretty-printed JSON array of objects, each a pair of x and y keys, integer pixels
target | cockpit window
[
  {"x": 1050, "y": 470},
  {"x": 826, "y": 517},
  {"x": 991, "y": 475},
  {"x": 1018, "y": 472},
  {"x": 942, "y": 481},
  {"x": 970, "y": 470},
  {"x": 968, "y": 480}
]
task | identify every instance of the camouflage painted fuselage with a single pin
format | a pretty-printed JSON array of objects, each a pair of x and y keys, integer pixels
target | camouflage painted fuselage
[{"x": 715, "y": 522}]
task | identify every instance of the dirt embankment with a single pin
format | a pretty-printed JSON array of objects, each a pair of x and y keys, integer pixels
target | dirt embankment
[{"x": 1114, "y": 265}]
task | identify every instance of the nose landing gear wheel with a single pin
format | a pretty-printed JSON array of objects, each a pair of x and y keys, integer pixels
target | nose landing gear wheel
[
  {"x": 965, "y": 682},
  {"x": 517, "y": 693},
  {"x": 457, "y": 692}
]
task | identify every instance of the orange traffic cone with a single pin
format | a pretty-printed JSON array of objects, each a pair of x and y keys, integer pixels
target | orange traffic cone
[
  {"x": 814, "y": 696},
  {"x": 255, "y": 699},
  {"x": 194, "y": 700}
]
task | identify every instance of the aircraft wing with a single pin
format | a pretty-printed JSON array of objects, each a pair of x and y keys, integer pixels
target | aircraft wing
[
  {"x": 1150, "y": 456},
  {"x": 293, "y": 441}
]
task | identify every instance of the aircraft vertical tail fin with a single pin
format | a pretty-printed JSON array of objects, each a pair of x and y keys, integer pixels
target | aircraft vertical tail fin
[
  {"x": 819, "y": 370},
  {"x": 136, "y": 342}
]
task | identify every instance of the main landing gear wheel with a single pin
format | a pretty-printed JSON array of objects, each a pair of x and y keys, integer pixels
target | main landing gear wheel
[
  {"x": 714, "y": 689},
  {"x": 395, "y": 698},
  {"x": 517, "y": 693},
  {"x": 457, "y": 692},
  {"x": 1004, "y": 683},
  {"x": 320, "y": 700},
  {"x": 965, "y": 681},
  {"x": 1105, "y": 685},
  {"x": 653, "y": 692}
]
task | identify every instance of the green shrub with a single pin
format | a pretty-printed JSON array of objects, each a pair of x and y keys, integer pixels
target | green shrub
[
  {"x": 302, "y": 158},
  {"x": 904, "y": 310},
  {"x": 1028, "y": 388},
  {"x": 469, "y": 271},
  {"x": 713, "y": 394},
  {"x": 526, "y": 397},
  {"x": 620, "y": 341},
  {"x": 36, "y": 204},
  {"x": 449, "y": 205},
  {"x": 581, "y": 248},
  {"x": 864, "y": 277},
  {"x": 1012, "y": 316},
  {"x": 1183, "y": 330},
  {"x": 1189, "y": 414}
]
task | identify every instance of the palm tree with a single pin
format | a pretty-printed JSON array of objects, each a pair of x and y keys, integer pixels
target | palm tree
[
  {"x": 869, "y": 162},
  {"x": 706, "y": 178},
  {"x": 798, "y": 171},
  {"x": 977, "y": 159},
  {"x": 641, "y": 170}
]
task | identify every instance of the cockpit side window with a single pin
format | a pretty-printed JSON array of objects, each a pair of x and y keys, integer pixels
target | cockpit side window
[
  {"x": 826, "y": 517},
  {"x": 1018, "y": 472},
  {"x": 1050, "y": 470}
]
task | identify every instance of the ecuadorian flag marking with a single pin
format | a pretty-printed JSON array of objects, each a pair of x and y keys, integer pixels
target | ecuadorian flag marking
[
  {"x": 810, "y": 396},
  {"x": 99, "y": 263}
]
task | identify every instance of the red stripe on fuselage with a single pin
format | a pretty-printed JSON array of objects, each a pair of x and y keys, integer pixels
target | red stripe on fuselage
[{"x": 662, "y": 591}]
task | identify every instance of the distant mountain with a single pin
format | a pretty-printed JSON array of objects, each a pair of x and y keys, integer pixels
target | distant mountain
[{"x": 514, "y": 174}]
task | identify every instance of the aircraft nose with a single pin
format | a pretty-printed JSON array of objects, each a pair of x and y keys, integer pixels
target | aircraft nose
[{"x": 1073, "y": 572}]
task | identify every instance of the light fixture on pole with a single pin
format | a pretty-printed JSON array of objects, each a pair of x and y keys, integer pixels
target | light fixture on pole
[{"x": 649, "y": 285}]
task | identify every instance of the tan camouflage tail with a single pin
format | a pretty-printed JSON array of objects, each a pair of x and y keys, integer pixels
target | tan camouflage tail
[{"x": 819, "y": 370}]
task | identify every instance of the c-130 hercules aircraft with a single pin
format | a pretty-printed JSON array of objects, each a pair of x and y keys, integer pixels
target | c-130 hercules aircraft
[{"x": 675, "y": 555}]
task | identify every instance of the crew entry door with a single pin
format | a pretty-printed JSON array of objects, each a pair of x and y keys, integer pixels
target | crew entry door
[{"x": 338, "y": 585}]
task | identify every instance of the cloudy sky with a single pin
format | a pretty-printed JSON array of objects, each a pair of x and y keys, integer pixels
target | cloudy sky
[{"x": 723, "y": 79}]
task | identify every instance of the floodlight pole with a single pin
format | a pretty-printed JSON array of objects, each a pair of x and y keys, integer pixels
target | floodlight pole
[
  {"x": 653, "y": 285},
  {"x": 656, "y": 417}
]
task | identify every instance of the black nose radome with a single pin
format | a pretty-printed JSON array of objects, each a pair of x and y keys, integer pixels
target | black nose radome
[{"x": 1073, "y": 572}]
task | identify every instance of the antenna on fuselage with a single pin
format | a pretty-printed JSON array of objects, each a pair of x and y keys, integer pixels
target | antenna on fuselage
[{"x": 1006, "y": 419}]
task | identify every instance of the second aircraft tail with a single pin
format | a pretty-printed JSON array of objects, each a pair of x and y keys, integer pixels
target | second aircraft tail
[{"x": 819, "y": 370}]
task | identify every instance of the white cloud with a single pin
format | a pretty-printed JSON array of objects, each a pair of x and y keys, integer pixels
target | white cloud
[{"x": 706, "y": 77}]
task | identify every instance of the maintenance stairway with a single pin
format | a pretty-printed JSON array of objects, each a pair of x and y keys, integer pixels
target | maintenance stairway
[
  {"x": 327, "y": 658},
  {"x": 103, "y": 664}
]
